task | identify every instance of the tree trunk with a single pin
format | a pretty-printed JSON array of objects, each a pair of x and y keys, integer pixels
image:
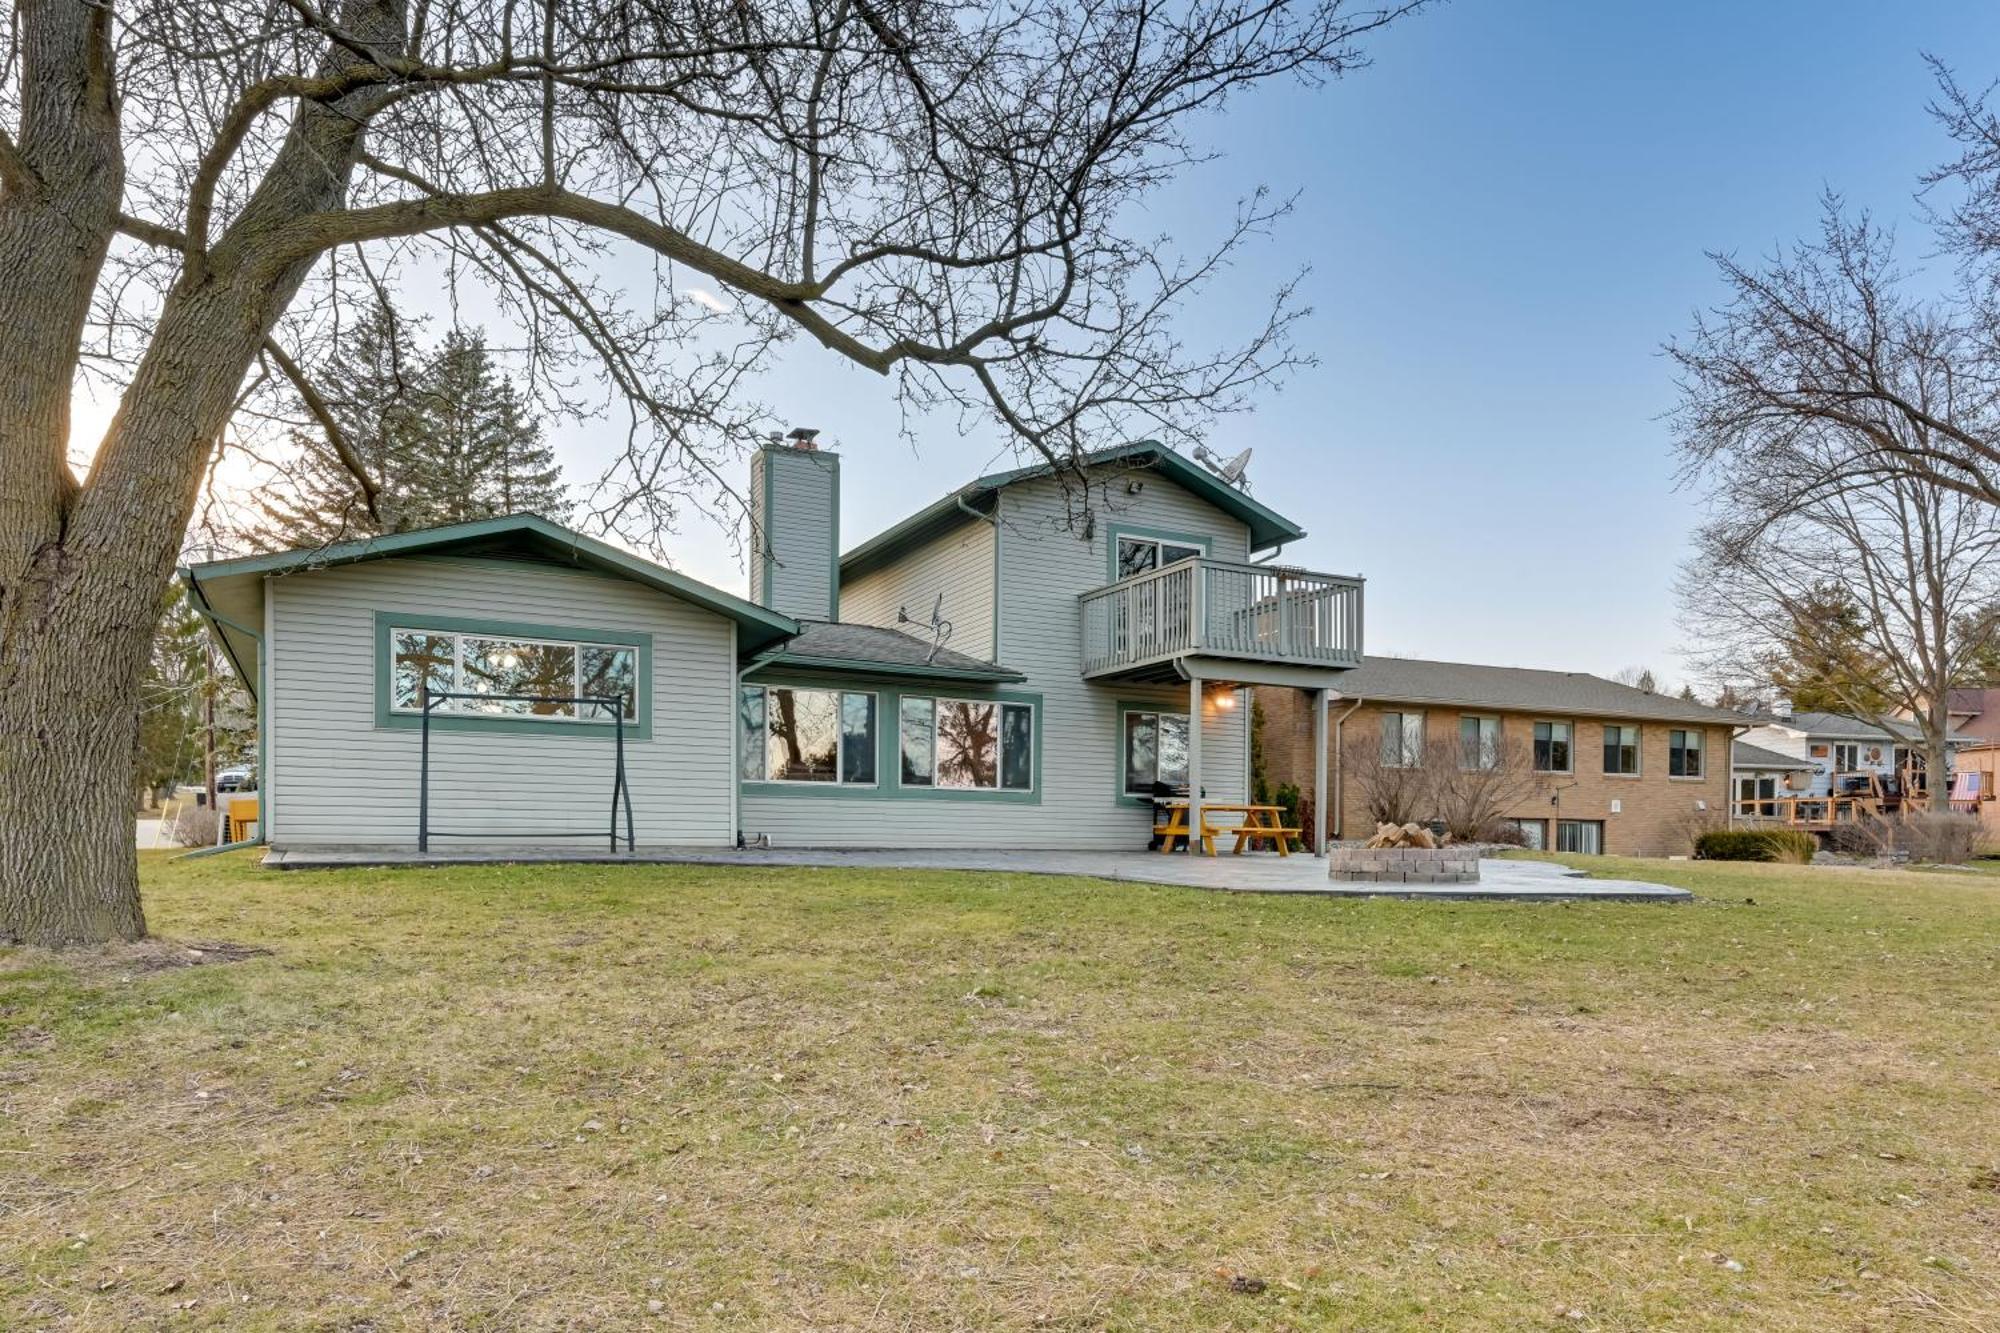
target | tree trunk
[
  {"x": 81, "y": 569},
  {"x": 68, "y": 733}
]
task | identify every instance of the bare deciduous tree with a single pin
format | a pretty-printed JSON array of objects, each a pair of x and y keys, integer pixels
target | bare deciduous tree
[
  {"x": 191, "y": 195},
  {"x": 1882, "y": 592},
  {"x": 1469, "y": 786},
  {"x": 1844, "y": 419},
  {"x": 1473, "y": 789}
]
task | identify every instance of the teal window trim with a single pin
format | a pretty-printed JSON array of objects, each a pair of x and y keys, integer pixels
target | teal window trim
[
  {"x": 639, "y": 728},
  {"x": 1206, "y": 541},
  {"x": 1118, "y": 766},
  {"x": 888, "y": 748},
  {"x": 840, "y": 784}
]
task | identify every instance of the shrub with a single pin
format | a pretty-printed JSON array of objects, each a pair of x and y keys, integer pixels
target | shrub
[
  {"x": 1939, "y": 835},
  {"x": 1792, "y": 846},
  {"x": 1942, "y": 836}
]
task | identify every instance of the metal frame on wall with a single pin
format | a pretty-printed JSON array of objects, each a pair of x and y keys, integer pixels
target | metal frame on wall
[{"x": 621, "y": 790}]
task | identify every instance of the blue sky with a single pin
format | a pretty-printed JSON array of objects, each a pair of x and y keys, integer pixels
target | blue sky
[{"x": 1506, "y": 216}]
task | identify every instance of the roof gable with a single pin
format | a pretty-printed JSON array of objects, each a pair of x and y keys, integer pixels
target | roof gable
[
  {"x": 230, "y": 592},
  {"x": 1267, "y": 527}
]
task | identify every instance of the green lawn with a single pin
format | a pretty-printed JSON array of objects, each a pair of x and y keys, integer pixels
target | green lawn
[{"x": 601, "y": 1097}]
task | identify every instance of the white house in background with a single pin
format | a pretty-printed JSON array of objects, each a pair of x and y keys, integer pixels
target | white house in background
[
  {"x": 981, "y": 674},
  {"x": 1826, "y": 746}
]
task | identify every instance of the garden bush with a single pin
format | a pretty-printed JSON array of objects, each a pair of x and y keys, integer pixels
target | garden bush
[{"x": 1792, "y": 846}]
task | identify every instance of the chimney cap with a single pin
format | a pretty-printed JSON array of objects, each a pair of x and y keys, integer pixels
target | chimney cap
[{"x": 802, "y": 437}]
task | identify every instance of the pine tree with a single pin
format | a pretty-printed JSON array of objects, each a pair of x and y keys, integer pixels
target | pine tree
[
  {"x": 446, "y": 436},
  {"x": 369, "y": 386},
  {"x": 482, "y": 451}
]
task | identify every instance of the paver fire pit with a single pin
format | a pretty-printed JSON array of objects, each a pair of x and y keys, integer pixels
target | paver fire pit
[{"x": 1403, "y": 865}]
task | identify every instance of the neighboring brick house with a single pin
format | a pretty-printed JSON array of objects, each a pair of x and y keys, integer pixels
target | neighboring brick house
[{"x": 1628, "y": 772}]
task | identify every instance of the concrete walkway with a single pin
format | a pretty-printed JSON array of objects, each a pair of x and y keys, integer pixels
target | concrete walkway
[{"x": 1266, "y": 872}]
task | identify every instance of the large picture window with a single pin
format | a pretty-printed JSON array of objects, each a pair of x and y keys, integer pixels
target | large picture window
[
  {"x": 792, "y": 735},
  {"x": 552, "y": 673},
  {"x": 1156, "y": 750},
  {"x": 966, "y": 744}
]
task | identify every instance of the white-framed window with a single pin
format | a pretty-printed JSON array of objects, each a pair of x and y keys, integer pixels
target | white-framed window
[
  {"x": 1846, "y": 757},
  {"x": 1552, "y": 748},
  {"x": 1478, "y": 742},
  {"x": 800, "y": 735},
  {"x": 1621, "y": 749},
  {"x": 542, "y": 676},
  {"x": 1684, "y": 754},
  {"x": 1156, "y": 751},
  {"x": 1534, "y": 833},
  {"x": 1402, "y": 740},
  {"x": 966, "y": 744},
  {"x": 1142, "y": 555}
]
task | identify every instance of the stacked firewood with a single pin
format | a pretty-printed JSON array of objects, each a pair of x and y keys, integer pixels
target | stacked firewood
[{"x": 1403, "y": 835}]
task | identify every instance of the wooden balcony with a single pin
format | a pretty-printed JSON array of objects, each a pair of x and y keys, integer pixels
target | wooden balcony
[{"x": 1139, "y": 627}]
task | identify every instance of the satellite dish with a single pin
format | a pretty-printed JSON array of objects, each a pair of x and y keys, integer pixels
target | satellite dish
[{"x": 1230, "y": 470}]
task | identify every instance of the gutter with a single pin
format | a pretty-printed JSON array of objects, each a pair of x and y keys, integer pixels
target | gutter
[
  {"x": 994, "y": 519},
  {"x": 257, "y": 692},
  {"x": 1729, "y": 787}
]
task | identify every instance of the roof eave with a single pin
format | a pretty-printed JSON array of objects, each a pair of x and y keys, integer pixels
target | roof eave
[
  {"x": 758, "y": 626},
  {"x": 1268, "y": 528}
]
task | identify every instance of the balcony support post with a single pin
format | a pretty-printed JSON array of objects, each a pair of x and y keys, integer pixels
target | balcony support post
[
  {"x": 1319, "y": 772},
  {"x": 1194, "y": 764}
]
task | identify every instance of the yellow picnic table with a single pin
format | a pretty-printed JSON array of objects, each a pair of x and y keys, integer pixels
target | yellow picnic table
[{"x": 1251, "y": 824}]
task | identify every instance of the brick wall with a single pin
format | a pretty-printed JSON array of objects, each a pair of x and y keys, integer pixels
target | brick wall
[{"x": 1656, "y": 815}]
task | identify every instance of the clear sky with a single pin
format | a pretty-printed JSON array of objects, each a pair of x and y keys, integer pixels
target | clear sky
[{"x": 1505, "y": 216}]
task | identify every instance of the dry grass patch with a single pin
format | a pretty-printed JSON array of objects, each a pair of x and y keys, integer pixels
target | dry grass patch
[{"x": 589, "y": 1097}]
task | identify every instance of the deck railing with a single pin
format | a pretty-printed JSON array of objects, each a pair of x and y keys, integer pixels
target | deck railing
[{"x": 1225, "y": 609}]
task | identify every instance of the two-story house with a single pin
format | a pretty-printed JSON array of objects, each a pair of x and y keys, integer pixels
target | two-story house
[{"x": 996, "y": 670}]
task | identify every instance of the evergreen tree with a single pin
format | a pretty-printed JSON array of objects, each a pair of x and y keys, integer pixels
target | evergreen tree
[
  {"x": 446, "y": 437},
  {"x": 370, "y": 387},
  {"x": 482, "y": 450},
  {"x": 1825, "y": 659}
]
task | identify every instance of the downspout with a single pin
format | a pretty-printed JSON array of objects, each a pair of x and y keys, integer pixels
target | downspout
[
  {"x": 1273, "y": 553},
  {"x": 994, "y": 519},
  {"x": 1339, "y": 770},
  {"x": 257, "y": 693},
  {"x": 1729, "y": 787}
]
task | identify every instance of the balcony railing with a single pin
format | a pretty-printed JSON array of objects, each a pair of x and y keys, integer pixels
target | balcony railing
[{"x": 1224, "y": 609}]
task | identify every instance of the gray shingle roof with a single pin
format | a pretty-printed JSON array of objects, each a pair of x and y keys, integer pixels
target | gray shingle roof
[
  {"x": 1517, "y": 689},
  {"x": 833, "y": 645},
  {"x": 1839, "y": 726},
  {"x": 1746, "y": 755}
]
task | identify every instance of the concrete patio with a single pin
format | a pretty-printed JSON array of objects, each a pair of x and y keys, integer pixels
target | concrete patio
[{"x": 1500, "y": 879}]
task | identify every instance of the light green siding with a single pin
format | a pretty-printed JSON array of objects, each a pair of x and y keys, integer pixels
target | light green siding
[
  {"x": 1042, "y": 568},
  {"x": 349, "y": 780},
  {"x": 957, "y": 564},
  {"x": 795, "y": 531}
]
